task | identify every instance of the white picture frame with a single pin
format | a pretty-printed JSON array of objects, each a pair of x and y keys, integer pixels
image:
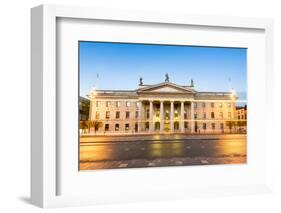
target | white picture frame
[{"x": 45, "y": 170}]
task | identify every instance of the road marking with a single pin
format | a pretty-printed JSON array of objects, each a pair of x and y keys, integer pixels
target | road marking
[
  {"x": 142, "y": 148},
  {"x": 127, "y": 149},
  {"x": 123, "y": 165},
  {"x": 188, "y": 147},
  {"x": 151, "y": 164},
  {"x": 179, "y": 162},
  {"x": 204, "y": 161}
]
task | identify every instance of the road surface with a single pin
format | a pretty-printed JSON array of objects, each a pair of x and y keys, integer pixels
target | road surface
[{"x": 98, "y": 152}]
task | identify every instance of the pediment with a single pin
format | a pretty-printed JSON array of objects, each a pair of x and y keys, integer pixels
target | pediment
[{"x": 166, "y": 87}]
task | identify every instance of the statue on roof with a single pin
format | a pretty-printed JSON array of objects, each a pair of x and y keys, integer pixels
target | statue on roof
[
  {"x": 192, "y": 83},
  {"x": 141, "y": 83},
  {"x": 166, "y": 77}
]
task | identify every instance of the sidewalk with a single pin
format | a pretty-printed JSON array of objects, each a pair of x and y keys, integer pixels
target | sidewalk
[{"x": 147, "y": 138}]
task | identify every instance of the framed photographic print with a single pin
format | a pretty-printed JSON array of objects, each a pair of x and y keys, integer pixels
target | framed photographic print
[{"x": 149, "y": 106}]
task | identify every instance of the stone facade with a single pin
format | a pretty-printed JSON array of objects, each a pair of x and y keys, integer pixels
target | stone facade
[{"x": 162, "y": 108}]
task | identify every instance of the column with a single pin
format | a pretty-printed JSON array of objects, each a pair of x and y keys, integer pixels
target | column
[
  {"x": 172, "y": 117},
  {"x": 140, "y": 117},
  {"x": 192, "y": 117},
  {"x": 151, "y": 126},
  {"x": 161, "y": 116},
  {"x": 182, "y": 117}
]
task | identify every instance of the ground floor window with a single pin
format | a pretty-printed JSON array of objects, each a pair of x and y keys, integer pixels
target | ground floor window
[
  {"x": 127, "y": 127},
  {"x": 176, "y": 125},
  {"x": 157, "y": 125},
  {"x": 213, "y": 126},
  {"x": 196, "y": 126},
  {"x": 146, "y": 125},
  {"x": 185, "y": 125},
  {"x": 106, "y": 127},
  {"x": 136, "y": 127},
  {"x": 204, "y": 126},
  {"x": 116, "y": 127}
]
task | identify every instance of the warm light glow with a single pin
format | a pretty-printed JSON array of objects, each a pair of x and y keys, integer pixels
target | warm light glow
[
  {"x": 233, "y": 93},
  {"x": 93, "y": 91}
]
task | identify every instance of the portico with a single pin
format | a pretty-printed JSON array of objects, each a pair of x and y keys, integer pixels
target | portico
[{"x": 166, "y": 116}]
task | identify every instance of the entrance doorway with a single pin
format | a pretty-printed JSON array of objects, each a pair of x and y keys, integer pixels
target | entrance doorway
[{"x": 167, "y": 126}]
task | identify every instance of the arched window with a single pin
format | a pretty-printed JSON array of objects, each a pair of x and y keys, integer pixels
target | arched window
[{"x": 157, "y": 125}]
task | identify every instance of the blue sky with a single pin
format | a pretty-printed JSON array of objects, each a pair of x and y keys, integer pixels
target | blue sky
[{"x": 119, "y": 66}]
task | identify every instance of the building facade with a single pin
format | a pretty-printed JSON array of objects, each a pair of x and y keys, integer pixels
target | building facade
[{"x": 161, "y": 108}]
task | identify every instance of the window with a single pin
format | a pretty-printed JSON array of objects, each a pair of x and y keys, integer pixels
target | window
[
  {"x": 220, "y": 105},
  {"x": 212, "y": 115},
  {"x": 185, "y": 115},
  {"x": 229, "y": 114},
  {"x": 221, "y": 115},
  {"x": 97, "y": 115},
  {"x": 117, "y": 115},
  {"x": 222, "y": 126},
  {"x": 203, "y": 105},
  {"x": 167, "y": 114},
  {"x": 176, "y": 114},
  {"x": 204, "y": 126},
  {"x": 185, "y": 125},
  {"x": 108, "y": 104},
  {"x": 229, "y": 105},
  {"x": 136, "y": 127},
  {"x": 116, "y": 127},
  {"x": 157, "y": 114},
  {"x": 127, "y": 127},
  {"x": 212, "y": 105},
  {"x": 157, "y": 125},
  {"x": 97, "y": 103},
  {"x": 118, "y": 103},
  {"x": 213, "y": 126},
  {"x": 176, "y": 125},
  {"x": 106, "y": 127},
  {"x": 147, "y": 114},
  {"x": 127, "y": 115},
  {"x": 137, "y": 114},
  {"x": 107, "y": 114},
  {"x": 204, "y": 115},
  {"x": 195, "y": 115},
  {"x": 147, "y": 125},
  {"x": 128, "y": 104}
]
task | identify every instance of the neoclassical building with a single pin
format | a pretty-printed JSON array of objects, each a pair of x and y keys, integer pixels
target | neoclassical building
[{"x": 161, "y": 108}]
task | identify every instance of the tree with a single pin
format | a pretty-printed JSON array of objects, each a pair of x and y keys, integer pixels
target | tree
[
  {"x": 83, "y": 125},
  {"x": 84, "y": 109},
  {"x": 94, "y": 123},
  {"x": 230, "y": 124}
]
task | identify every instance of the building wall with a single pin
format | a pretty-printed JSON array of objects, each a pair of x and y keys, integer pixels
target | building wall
[
  {"x": 101, "y": 107},
  {"x": 203, "y": 111}
]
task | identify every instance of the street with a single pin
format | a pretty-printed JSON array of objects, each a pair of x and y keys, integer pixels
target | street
[{"x": 108, "y": 152}]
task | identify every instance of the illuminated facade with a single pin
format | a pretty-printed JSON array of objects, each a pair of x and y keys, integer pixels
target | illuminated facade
[{"x": 161, "y": 108}]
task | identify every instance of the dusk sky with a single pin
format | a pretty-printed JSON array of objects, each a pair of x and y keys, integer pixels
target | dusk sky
[{"x": 119, "y": 66}]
